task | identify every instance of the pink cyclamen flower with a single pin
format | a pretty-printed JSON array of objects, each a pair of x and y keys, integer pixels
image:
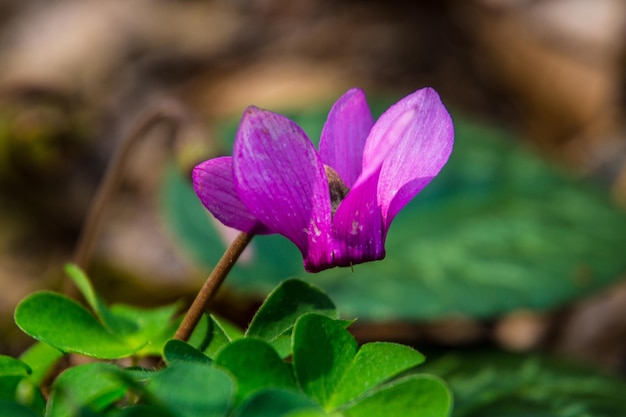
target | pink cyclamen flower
[{"x": 335, "y": 205}]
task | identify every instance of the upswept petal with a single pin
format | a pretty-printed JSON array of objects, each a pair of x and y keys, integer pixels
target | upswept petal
[
  {"x": 358, "y": 227},
  {"x": 344, "y": 133},
  {"x": 214, "y": 185},
  {"x": 418, "y": 155},
  {"x": 280, "y": 178}
]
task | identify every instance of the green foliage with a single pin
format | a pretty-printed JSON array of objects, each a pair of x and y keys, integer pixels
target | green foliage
[
  {"x": 255, "y": 365},
  {"x": 109, "y": 333},
  {"x": 68, "y": 326},
  {"x": 13, "y": 409},
  {"x": 220, "y": 371},
  {"x": 497, "y": 384},
  {"x": 499, "y": 229},
  {"x": 275, "y": 319},
  {"x": 95, "y": 385},
  {"x": 192, "y": 389},
  {"x": 12, "y": 371},
  {"x": 41, "y": 358}
]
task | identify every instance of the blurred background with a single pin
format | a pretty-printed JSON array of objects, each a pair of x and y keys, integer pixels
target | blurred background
[{"x": 521, "y": 242}]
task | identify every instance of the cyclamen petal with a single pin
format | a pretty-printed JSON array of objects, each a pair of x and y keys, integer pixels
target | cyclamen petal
[
  {"x": 278, "y": 181},
  {"x": 213, "y": 183},
  {"x": 280, "y": 178},
  {"x": 343, "y": 137},
  {"x": 418, "y": 155},
  {"x": 358, "y": 226}
]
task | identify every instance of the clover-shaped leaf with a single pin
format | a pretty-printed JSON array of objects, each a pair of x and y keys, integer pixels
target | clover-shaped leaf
[
  {"x": 291, "y": 299},
  {"x": 278, "y": 402},
  {"x": 63, "y": 323},
  {"x": 412, "y": 396},
  {"x": 192, "y": 389},
  {"x": 255, "y": 365},
  {"x": 331, "y": 369},
  {"x": 94, "y": 385},
  {"x": 177, "y": 350},
  {"x": 153, "y": 326}
]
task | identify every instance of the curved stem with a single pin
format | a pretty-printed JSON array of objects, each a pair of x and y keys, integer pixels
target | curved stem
[
  {"x": 211, "y": 286},
  {"x": 164, "y": 112}
]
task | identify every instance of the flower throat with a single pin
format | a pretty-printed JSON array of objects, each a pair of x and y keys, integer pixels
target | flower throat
[{"x": 336, "y": 188}]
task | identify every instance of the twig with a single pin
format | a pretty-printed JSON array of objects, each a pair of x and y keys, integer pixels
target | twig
[{"x": 164, "y": 112}]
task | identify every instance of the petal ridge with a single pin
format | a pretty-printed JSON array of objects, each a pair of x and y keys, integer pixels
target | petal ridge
[{"x": 280, "y": 178}]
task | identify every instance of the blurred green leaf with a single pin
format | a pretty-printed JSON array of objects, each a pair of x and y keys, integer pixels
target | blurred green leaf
[
  {"x": 41, "y": 357},
  {"x": 143, "y": 410},
  {"x": 69, "y": 327},
  {"x": 499, "y": 229},
  {"x": 415, "y": 395},
  {"x": 177, "y": 350},
  {"x": 276, "y": 403},
  {"x": 493, "y": 383},
  {"x": 279, "y": 312},
  {"x": 12, "y": 409},
  {"x": 10, "y": 366},
  {"x": 192, "y": 389},
  {"x": 94, "y": 385},
  {"x": 12, "y": 371},
  {"x": 255, "y": 365},
  {"x": 152, "y": 327}
]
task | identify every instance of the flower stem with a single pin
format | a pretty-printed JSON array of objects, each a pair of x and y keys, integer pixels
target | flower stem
[{"x": 211, "y": 286}]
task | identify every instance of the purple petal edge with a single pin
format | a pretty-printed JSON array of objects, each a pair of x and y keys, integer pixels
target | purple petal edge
[
  {"x": 214, "y": 186},
  {"x": 418, "y": 155},
  {"x": 344, "y": 134}
]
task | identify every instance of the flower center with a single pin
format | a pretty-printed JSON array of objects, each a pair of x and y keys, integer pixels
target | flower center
[{"x": 336, "y": 187}]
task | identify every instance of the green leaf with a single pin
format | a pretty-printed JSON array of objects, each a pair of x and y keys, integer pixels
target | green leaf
[
  {"x": 230, "y": 330},
  {"x": 323, "y": 351},
  {"x": 94, "y": 385},
  {"x": 41, "y": 357},
  {"x": 148, "y": 327},
  {"x": 13, "y": 409},
  {"x": 255, "y": 366},
  {"x": 209, "y": 336},
  {"x": 83, "y": 284},
  {"x": 219, "y": 338},
  {"x": 192, "y": 389},
  {"x": 291, "y": 299},
  {"x": 151, "y": 327},
  {"x": 311, "y": 412},
  {"x": 275, "y": 403},
  {"x": 506, "y": 385},
  {"x": 499, "y": 229},
  {"x": 177, "y": 350},
  {"x": 143, "y": 411},
  {"x": 415, "y": 395},
  {"x": 10, "y": 366},
  {"x": 374, "y": 364},
  {"x": 69, "y": 327},
  {"x": 12, "y": 371}
]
